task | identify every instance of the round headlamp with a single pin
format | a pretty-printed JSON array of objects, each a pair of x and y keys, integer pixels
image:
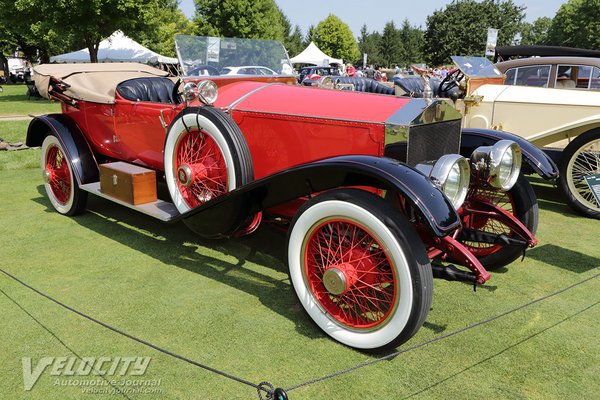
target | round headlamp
[
  {"x": 207, "y": 92},
  {"x": 452, "y": 175},
  {"x": 190, "y": 90},
  {"x": 499, "y": 165}
]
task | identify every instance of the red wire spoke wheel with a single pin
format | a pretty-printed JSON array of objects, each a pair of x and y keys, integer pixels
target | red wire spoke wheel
[
  {"x": 61, "y": 187},
  {"x": 359, "y": 269},
  {"x": 201, "y": 169},
  {"x": 519, "y": 201},
  {"x": 206, "y": 156},
  {"x": 487, "y": 224},
  {"x": 350, "y": 274},
  {"x": 58, "y": 175}
]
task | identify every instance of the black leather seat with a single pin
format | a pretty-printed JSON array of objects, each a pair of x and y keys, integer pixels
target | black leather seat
[
  {"x": 152, "y": 89},
  {"x": 365, "y": 85},
  {"x": 414, "y": 86}
]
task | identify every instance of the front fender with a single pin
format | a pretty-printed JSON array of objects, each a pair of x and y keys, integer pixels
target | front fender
[
  {"x": 382, "y": 173},
  {"x": 71, "y": 137},
  {"x": 542, "y": 164}
]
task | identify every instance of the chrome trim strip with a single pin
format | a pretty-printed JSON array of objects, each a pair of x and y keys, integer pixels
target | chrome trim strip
[{"x": 244, "y": 97}]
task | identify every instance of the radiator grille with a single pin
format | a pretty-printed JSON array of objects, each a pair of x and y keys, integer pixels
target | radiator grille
[{"x": 431, "y": 141}]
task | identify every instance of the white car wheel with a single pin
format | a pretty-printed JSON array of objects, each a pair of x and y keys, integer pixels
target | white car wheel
[
  {"x": 60, "y": 184},
  {"x": 359, "y": 269},
  {"x": 581, "y": 158}
]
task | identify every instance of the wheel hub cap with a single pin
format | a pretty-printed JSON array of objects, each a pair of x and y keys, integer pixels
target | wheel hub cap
[
  {"x": 334, "y": 281},
  {"x": 184, "y": 174},
  {"x": 46, "y": 175},
  {"x": 340, "y": 278}
]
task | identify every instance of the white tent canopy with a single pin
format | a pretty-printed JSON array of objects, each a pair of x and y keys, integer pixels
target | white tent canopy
[
  {"x": 313, "y": 55},
  {"x": 116, "y": 48}
]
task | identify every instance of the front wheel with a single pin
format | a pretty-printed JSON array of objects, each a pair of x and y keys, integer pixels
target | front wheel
[
  {"x": 60, "y": 184},
  {"x": 359, "y": 269},
  {"x": 521, "y": 202},
  {"x": 581, "y": 159}
]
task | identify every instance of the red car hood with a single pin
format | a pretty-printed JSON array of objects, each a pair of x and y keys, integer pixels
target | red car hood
[{"x": 309, "y": 102}]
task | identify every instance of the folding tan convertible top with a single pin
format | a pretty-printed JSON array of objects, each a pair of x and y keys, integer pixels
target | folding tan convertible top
[{"x": 92, "y": 82}]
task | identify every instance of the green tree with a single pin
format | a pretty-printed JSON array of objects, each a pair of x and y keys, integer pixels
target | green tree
[
  {"x": 20, "y": 27},
  {"x": 310, "y": 36},
  {"x": 249, "y": 19},
  {"x": 292, "y": 41},
  {"x": 335, "y": 38},
  {"x": 390, "y": 46},
  {"x": 576, "y": 24},
  {"x": 368, "y": 43},
  {"x": 461, "y": 28},
  {"x": 162, "y": 28},
  {"x": 536, "y": 33},
  {"x": 412, "y": 40},
  {"x": 294, "y": 44},
  {"x": 84, "y": 22}
]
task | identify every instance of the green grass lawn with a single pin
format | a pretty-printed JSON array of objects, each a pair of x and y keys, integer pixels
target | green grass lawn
[
  {"x": 13, "y": 102},
  {"x": 229, "y": 304}
]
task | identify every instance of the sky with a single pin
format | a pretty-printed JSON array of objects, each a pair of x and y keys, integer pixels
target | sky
[{"x": 356, "y": 13}]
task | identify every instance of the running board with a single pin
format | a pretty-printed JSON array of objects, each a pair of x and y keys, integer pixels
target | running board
[{"x": 159, "y": 209}]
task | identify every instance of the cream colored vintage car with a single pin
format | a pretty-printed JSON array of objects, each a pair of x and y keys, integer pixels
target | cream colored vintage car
[{"x": 564, "y": 122}]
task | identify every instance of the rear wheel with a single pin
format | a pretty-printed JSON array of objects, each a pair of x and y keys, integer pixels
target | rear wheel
[
  {"x": 519, "y": 201},
  {"x": 60, "y": 184},
  {"x": 359, "y": 269},
  {"x": 581, "y": 158}
]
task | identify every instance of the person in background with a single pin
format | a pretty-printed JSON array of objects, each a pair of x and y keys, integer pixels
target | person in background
[
  {"x": 350, "y": 70},
  {"x": 398, "y": 75},
  {"x": 370, "y": 72}
]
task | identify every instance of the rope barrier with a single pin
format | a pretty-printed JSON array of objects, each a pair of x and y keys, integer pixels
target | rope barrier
[{"x": 270, "y": 391}]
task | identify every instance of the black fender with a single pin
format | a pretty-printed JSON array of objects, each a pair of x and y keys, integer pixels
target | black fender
[
  {"x": 79, "y": 152},
  {"x": 233, "y": 208},
  {"x": 532, "y": 155}
]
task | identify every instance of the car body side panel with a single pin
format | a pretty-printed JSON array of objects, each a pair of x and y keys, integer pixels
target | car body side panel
[
  {"x": 541, "y": 115},
  {"x": 278, "y": 142}
]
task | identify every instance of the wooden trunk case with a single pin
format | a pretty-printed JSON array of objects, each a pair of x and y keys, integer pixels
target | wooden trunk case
[{"x": 130, "y": 183}]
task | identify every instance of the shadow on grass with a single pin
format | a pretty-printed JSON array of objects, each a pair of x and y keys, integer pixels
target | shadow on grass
[
  {"x": 550, "y": 198},
  {"x": 174, "y": 244},
  {"x": 561, "y": 257},
  {"x": 14, "y": 97}
]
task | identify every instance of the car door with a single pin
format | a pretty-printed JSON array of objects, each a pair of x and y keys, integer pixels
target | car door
[{"x": 140, "y": 130}]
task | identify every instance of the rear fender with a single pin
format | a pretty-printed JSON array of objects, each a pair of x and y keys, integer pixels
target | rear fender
[
  {"x": 532, "y": 155},
  {"x": 77, "y": 149},
  {"x": 383, "y": 173}
]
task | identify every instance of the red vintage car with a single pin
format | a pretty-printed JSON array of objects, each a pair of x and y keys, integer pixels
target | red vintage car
[{"x": 372, "y": 189}]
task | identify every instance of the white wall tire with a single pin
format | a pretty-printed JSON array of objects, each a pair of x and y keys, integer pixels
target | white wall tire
[
  {"x": 199, "y": 125},
  {"x": 206, "y": 156},
  {"x": 59, "y": 181},
  {"x": 399, "y": 271},
  {"x": 579, "y": 159}
]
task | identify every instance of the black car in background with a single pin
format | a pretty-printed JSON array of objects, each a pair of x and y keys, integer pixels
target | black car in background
[{"x": 321, "y": 71}]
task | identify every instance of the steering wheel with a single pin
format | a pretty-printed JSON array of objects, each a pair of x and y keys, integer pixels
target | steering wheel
[
  {"x": 176, "y": 95},
  {"x": 450, "y": 81}
]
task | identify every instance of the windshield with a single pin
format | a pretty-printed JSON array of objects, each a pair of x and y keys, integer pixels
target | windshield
[
  {"x": 213, "y": 56},
  {"x": 479, "y": 67}
]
